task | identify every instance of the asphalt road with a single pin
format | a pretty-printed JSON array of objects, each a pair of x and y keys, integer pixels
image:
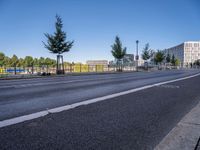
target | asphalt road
[
  {"x": 134, "y": 121},
  {"x": 25, "y": 96}
]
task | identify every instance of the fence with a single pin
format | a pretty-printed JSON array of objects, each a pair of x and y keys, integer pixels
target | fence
[
  {"x": 68, "y": 68},
  {"x": 76, "y": 68}
]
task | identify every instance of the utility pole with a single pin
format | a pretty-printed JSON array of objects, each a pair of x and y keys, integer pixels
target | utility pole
[{"x": 137, "y": 56}]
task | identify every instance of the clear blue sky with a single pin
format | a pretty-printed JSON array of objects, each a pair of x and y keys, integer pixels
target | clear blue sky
[{"x": 93, "y": 24}]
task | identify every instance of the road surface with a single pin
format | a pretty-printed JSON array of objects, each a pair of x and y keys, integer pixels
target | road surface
[{"x": 134, "y": 121}]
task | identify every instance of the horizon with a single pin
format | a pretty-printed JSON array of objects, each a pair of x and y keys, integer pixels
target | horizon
[{"x": 94, "y": 25}]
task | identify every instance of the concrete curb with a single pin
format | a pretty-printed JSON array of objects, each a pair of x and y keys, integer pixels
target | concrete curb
[{"x": 185, "y": 135}]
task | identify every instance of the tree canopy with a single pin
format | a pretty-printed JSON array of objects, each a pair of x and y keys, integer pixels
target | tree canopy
[
  {"x": 57, "y": 43},
  {"x": 118, "y": 51},
  {"x": 14, "y": 61},
  {"x": 173, "y": 60},
  {"x": 2, "y": 57},
  {"x": 28, "y": 61},
  {"x": 147, "y": 53},
  {"x": 159, "y": 57},
  {"x": 168, "y": 58}
]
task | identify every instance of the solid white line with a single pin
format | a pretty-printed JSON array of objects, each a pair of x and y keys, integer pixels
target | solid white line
[{"x": 20, "y": 119}]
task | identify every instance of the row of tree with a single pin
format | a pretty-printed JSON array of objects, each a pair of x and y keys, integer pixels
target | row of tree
[
  {"x": 28, "y": 61},
  {"x": 159, "y": 56},
  {"x": 118, "y": 52}
]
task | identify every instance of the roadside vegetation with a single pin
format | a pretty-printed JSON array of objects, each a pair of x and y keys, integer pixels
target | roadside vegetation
[
  {"x": 118, "y": 53},
  {"x": 27, "y": 62},
  {"x": 57, "y": 44},
  {"x": 147, "y": 54}
]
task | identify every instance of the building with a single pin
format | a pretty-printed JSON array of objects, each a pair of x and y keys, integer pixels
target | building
[
  {"x": 97, "y": 65},
  {"x": 128, "y": 60},
  {"x": 186, "y": 53},
  {"x": 97, "y": 62},
  {"x": 141, "y": 62}
]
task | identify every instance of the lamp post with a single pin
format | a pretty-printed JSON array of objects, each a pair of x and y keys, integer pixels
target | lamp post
[{"x": 137, "y": 56}]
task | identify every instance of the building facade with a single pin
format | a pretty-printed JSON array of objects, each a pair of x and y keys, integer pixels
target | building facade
[
  {"x": 186, "y": 53},
  {"x": 128, "y": 60},
  {"x": 97, "y": 62}
]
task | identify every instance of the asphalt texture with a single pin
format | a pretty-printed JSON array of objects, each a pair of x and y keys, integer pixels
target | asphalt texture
[
  {"x": 198, "y": 145},
  {"x": 26, "y": 96},
  {"x": 134, "y": 121}
]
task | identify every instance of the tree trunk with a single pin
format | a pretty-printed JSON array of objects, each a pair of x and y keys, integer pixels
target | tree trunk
[
  {"x": 47, "y": 68},
  {"x": 15, "y": 69},
  {"x": 118, "y": 67},
  {"x": 60, "y": 65},
  {"x": 57, "y": 72},
  {"x": 63, "y": 69},
  {"x": 32, "y": 69}
]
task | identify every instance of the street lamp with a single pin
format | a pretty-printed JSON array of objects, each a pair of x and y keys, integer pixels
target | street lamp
[{"x": 137, "y": 56}]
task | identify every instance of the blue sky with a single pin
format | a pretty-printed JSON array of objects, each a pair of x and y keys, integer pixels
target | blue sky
[{"x": 93, "y": 24}]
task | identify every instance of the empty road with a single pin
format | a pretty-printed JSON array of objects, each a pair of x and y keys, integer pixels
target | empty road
[
  {"x": 25, "y": 96},
  {"x": 134, "y": 121}
]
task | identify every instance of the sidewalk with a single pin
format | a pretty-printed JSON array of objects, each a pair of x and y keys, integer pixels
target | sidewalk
[{"x": 185, "y": 135}]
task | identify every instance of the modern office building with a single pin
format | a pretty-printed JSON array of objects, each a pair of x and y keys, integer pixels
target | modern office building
[{"x": 187, "y": 52}]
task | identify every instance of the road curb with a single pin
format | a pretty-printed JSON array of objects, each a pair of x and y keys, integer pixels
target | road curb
[{"x": 185, "y": 135}]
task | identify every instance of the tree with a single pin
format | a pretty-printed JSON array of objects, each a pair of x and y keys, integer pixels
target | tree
[
  {"x": 57, "y": 44},
  {"x": 197, "y": 62},
  {"x": 48, "y": 62},
  {"x": 41, "y": 61},
  {"x": 36, "y": 62},
  {"x": 6, "y": 61},
  {"x": 173, "y": 60},
  {"x": 159, "y": 57},
  {"x": 177, "y": 62},
  {"x": 2, "y": 56},
  {"x": 29, "y": 62},
  {"x": 14, "y": 62},
  {"x": 168, "y": 58},
  {"x": 118, "y": 52},
  {"x": 147, "y": 53},
  {"x": 21, "y": 63}
]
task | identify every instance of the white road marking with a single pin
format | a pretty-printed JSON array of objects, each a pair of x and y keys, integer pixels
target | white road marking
[{"x": 20, "y": 119}]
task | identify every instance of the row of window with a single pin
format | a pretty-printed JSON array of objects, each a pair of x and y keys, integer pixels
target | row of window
[{"x": 192, "y": 44}]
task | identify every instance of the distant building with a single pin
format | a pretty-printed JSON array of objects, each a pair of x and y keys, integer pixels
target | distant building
[
  {"x": 141, "y": 62},
  {"x": 187, "y": 52},
  {"x": 97, "y": 62},
  {"x": 128, "y": 60}
]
